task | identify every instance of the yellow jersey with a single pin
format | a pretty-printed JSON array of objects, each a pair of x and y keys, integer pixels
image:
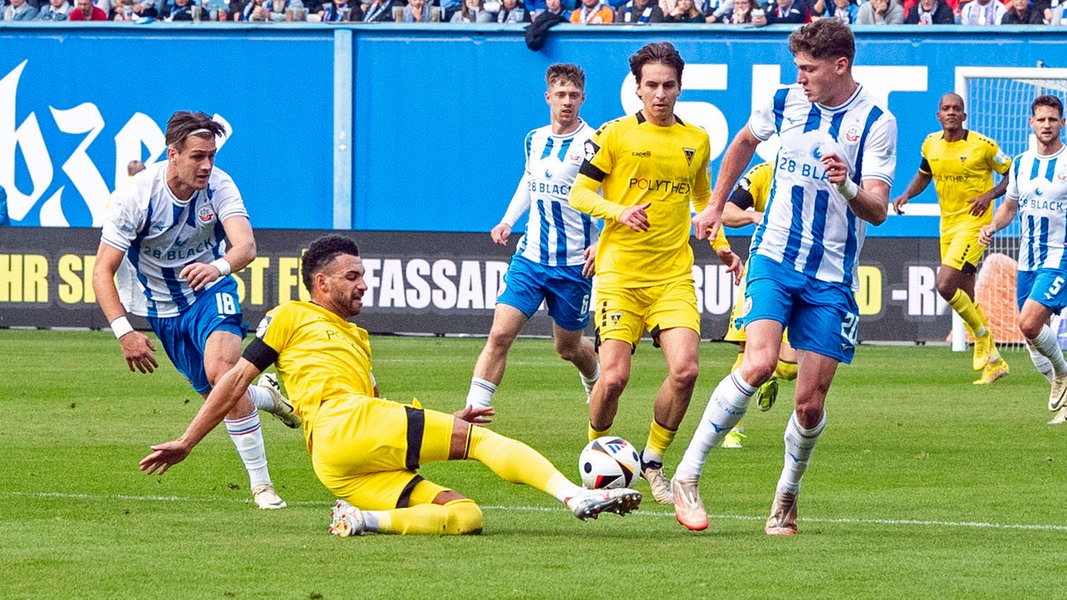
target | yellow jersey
[
  {"x": 320, "y": 357},
  {"x": 636, "y": 161},
  {"x": 962, "y": 170},
  {"x": 752, "y": 191}
]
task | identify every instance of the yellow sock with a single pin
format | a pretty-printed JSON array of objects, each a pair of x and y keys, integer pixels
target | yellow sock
[
  {"x": 970, "y": 313},
  {"x": 516, "y": 462},
  {"x": 597, "y": 433},
  {"x": 786, "y": 371},
  {"x": 458, "y": 517},
  {"x": 659, "y": 439},
  {"x": 737, "y": 361}
]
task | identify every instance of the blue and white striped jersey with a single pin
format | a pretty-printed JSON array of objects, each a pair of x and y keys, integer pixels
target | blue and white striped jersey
[
  {"x": 808, "y": 225},
  {"x": 1039, "y": 184},
  {"x": 161, "y": 234},
  {"x": 556, "y": 234}
]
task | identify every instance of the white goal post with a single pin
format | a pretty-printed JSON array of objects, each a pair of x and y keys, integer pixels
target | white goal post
[{"x": 997, "y": 101}]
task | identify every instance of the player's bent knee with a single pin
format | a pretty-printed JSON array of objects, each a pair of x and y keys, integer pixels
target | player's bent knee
[{"x": 464, "y": 517}]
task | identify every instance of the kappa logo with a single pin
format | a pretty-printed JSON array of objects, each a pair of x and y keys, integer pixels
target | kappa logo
[
  {"x": 591, "y": 149},
  {"x": 689, "y": 153}
]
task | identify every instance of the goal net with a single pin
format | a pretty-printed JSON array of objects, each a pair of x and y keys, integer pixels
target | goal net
[{"x": 997, "y": 101}]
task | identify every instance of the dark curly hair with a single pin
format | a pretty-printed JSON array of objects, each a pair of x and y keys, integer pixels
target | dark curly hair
[{"x": 321, "y": 252}]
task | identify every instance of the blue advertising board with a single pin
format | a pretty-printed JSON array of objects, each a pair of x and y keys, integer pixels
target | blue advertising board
[
  {"x": 78, "y": 103},
  {"x": 393, "y": 128}
]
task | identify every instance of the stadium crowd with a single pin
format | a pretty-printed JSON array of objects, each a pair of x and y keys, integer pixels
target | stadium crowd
[{"x": 592, "y": 12}]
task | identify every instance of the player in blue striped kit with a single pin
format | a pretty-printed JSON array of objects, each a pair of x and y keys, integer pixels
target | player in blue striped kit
[
  {"x": 832, "y": 175},
  {"x": 553, "y": 262},
  {"x": 183, "y": 226},
  {"x": 1037, "y": 191}
]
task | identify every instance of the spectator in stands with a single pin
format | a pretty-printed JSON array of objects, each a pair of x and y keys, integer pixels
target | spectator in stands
[
  {"x": 880, "y": 12},
  {"x": 787, "y": 11},
  {"x": 341, "y": 11},
  {"x": 684, "y": 12},
  {"x": 57, "y": 10},
  {"x": 718, "y": 11},
  {"x": 123, "y": 11},
  {"x": 473, "y": 11},
  {"x": 843, "y": 10},
  {"x": 85, "y": 11},
  {"x": 555, "y": 7},
  {"x": 417, "y": 11},
  {"x": 982, "y": 12},
  {"x": 930, "y": 12},
  {"x": 181, "y": 10},
  {"x": 378, "y": 11},
  {"x": 1023, "y": 13},
  {"x": 142, "y": 8},
  {"x": 742, "y": 13},
  {"x": 20, "y": 10},
  {"x": 256, "y": 10},
  {"x": 512, "y": 11},
  {"x": 639, "y": 11},
  {"x": 449, "y": 8},
  {"x": 592, "y": 12}
]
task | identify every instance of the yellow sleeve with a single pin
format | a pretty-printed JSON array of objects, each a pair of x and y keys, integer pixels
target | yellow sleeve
[
  {"x": 720, "y": 242},
  {"x": 596, "y": 166},
  {"x": 702, "y": 185}
]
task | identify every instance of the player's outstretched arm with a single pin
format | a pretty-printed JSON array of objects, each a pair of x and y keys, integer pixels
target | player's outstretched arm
[
  {"x": 227, "y": 391},
  {"x": 137, "y": 349},
  {"x": 915, "y": 187},
  {"x": 706, "y": 223}
]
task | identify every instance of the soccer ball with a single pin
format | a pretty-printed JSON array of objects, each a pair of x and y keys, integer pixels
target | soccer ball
[{"x": 609, "y": 462}]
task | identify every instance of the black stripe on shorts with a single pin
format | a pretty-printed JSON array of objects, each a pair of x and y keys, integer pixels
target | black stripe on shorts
[
  {"x": 416, "y": 428},
  {"x": 404, "y": 500}
]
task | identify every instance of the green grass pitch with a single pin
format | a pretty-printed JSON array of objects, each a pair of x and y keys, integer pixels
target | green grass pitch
[{"x": 923, "y": 486}]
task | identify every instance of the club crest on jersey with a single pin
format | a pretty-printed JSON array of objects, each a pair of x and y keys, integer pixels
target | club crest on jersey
[
  {"x": 615, "y": 317},
  {"x": 205, "y": 214},
  {"x": 1061, "y": 176},
  {"x": 852, "y": 134},
  {"x": 689, "y": 152},
  {"x": 963, "y": 158},
  {"x": 591, "y": 149}
]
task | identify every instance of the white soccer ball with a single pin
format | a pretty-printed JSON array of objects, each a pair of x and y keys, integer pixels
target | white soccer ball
[{"x": 609, "y": 462}]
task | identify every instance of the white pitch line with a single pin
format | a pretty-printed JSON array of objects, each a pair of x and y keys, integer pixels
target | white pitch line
[{"x": 547, "y": 509}]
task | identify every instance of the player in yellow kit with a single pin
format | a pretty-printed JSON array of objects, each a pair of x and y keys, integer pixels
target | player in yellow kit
[
  {"x": 364, "y": 449},
  {"x": 961, "y": 164},
  {"x": 652, "y": 167},
  {"x": 751, "y": 192}
]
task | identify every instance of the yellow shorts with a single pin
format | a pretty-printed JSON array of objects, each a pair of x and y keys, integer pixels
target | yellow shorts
[
  {"x": 625, "y": 313},
  {"x": 366, "y": 451},
  {"x": 960, "y": 248}
]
